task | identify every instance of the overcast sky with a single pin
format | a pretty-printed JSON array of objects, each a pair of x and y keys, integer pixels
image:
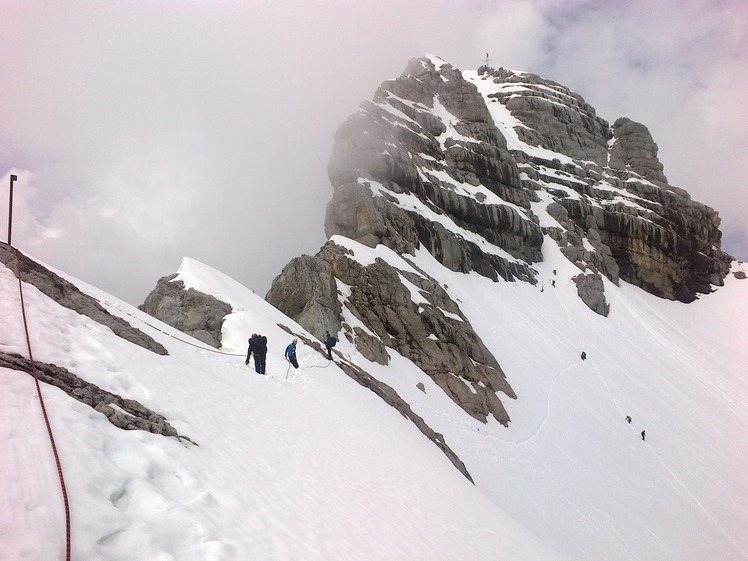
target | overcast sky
[{"x": 145, "y": 131}]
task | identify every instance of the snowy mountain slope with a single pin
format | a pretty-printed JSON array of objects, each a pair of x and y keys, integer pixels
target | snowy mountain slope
[
  {"x": 309, "y": 466},
  {"x": 313, "y": 466},
  {"x": 486, "y": 170},
  {"x": 569, "y": 463},
  {"x": 448, "y": 185}
]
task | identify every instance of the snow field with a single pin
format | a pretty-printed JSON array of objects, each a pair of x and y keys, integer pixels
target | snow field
[
  {"x": 569, "y": 463},
  {"x": 308, "y": 467}
]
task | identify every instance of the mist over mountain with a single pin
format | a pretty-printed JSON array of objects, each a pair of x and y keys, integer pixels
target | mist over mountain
[
  {"x": 540, "y": 355},
  {"x": 481, "y": 169}
]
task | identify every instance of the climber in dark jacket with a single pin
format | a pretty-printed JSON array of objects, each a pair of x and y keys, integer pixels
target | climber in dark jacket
[
  {"x": 258, "y": 346},
  {"x": 291, "y": 354},
  {"x": 329, "y": 344}
]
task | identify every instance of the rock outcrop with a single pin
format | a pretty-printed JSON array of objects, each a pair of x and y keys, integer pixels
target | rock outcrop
[
  {"x": 68, "y": 295},
  {"x": 552, "y": 116},
  {"x": 307, "y": 290},
  {"x": 191, "y": 311},
  {"x": 427, "y": 145},
  {"x": 634, "y": 149},
  {"x": 405, "y": 311},
  {"x": 127, "y": 414},
  {"x": 434, "y": 161},
  {"x": 622, "y": 218}
]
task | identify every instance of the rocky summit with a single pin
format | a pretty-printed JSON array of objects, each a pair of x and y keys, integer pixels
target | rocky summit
[
  {"x": 478, "y": 166},
  {"x": 482, "y": 169}
]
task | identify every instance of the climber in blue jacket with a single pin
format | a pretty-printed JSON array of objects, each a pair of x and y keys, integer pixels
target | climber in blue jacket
[{"x": 290, "y": 353}]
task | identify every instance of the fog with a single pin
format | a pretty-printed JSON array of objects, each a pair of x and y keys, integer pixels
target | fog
[{"x": 142, "y": 132}]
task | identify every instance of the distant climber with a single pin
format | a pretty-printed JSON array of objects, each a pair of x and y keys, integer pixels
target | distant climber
[
  {"x": 628, "y": 419},
  {"x": 258, "y": 346},
  {"x": 644, "y": 433},
  {"x": 584, "y": 355},
  {"x": 290, "y": 353},
  {"x": 329, "y": 344}
]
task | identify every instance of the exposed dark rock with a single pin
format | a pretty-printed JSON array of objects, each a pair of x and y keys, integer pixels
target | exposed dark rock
[
  {"x": 390, "y": 151},
  {"x": 649, "y": 233},
  {"x": 123, "y": 413},
  {"x": 553, "y": 116},
  {"x": 192, "y": 312},
  {"x": 674, "y": 254},
  {"x": 425, "y": 153},
  {"x": 68, "y": 295},
  {"x": 424, "y": 165}
]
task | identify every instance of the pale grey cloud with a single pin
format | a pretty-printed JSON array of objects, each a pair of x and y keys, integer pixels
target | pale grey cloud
[{"x": 145, "y": 131}]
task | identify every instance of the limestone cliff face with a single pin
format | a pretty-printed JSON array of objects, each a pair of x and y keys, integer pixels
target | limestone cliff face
[
  {"x": 468, "y": 163},
  {"x": 479, "y": 168},
  {"x": 482, "y": 169},
  {"x": 427, "y": 145},
  {"x": 613, "y": 190}
]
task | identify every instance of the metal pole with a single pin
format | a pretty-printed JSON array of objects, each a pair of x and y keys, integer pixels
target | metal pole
[{"x": 10, "y": 207}]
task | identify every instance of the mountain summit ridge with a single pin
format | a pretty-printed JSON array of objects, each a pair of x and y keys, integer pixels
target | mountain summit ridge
[
  {"x": 456, "y": 301},
  {"x": 531, "y": 143},
  {"x": 481, "y": 169}
]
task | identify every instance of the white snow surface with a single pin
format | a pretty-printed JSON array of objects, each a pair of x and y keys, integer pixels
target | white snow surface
[{"x": 307, "y": 465}]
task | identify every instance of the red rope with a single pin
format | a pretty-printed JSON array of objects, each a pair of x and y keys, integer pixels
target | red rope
[{"x": 44, "y": 412}]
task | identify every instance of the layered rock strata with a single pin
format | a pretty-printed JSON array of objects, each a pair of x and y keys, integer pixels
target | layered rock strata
[
  {"x": 431, "y": 330},
  {"x": 622, "y": 218},
  {"x": 467, "y": 164},
  {"x": 479, "y": 168},
  {"x": 424, "y": 164}
]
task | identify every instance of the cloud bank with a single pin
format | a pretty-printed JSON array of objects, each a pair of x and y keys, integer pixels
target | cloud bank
[{"x": 142, "y": 132}]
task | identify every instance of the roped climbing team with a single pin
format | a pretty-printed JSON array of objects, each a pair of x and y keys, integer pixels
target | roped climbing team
[{"x": 258, "y": 348}]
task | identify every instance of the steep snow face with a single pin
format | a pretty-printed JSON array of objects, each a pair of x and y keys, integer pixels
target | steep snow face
[
  {"x": 305, "y": 464},
  {"x": 298, "y": 464},
  {"x": 569, "y": 462}
]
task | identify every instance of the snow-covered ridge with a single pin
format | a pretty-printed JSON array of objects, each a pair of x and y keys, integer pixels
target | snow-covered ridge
[
  {"x": 443, "y": 213},
  {"x": 286, "y": 463}
]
